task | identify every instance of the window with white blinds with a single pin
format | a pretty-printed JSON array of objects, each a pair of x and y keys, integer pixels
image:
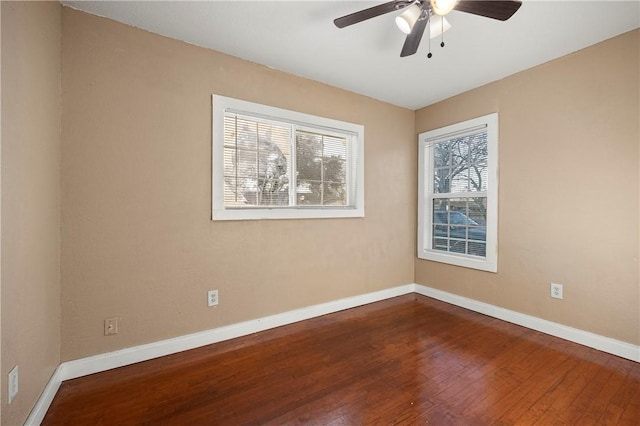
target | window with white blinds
[
  {"x": 458, "y": 194},
  {"x": 270, "y": 163}
]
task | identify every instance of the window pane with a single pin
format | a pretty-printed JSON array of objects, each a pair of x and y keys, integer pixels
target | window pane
[
  {"x": 441, "y": 244},
  {"x": 441, "y": 154},
  {"x": 442, "y": 181},
  {"x": 335, "y": 170},
  {"x": 477, "y": 248},
  {"x": 308, "y": 156},
  {"x": 476, "y": 210},
  {"x": 478, "y": 177},
  {"x": 459, "y": 225},
  {"x": 460, "y": 179},
  {"x": 459, "y": 151},
  {"x": 479, "y": 152},
  {"x": 458, "y": 246},
  {"x": 309, "y": 193},
  {"x": 256, "y": 162},
  {"x": 335, "y": 194},
  {"x": 230, "y": 197},
  {"x": 460, "y": 164},
  {"x": 321, "y": 162},
  {"x": 334, "y": 147}
]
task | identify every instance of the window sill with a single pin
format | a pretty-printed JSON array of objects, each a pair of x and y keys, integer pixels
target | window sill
[
  {"x": 487, "y": 265},
  {"x": 286, "y": 213}
]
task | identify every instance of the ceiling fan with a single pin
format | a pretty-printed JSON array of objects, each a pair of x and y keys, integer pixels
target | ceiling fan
[{"x": 418, "y": 13}]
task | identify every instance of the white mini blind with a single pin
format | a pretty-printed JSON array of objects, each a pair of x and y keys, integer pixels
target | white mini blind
[
  {"x": 277, "y": 164},
  {"x": 273, "y": 163},
  {"x": 457, "y": 221},
  {"x": 460, "y": 163},
  {"x": 257, "y": 162},
  {"x": 459, "y": 192},
  {"x": 322, "y": 165}
]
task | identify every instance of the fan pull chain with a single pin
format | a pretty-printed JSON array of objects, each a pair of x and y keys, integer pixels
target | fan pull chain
[
  {"x": 442, "y": 32},
  {"x": 429, "y": 55}
]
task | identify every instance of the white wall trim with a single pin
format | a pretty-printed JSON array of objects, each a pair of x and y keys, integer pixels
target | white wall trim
[
  {"x": 107, "y": 361},
  {"x": 103, "y": 362},
  {"x": 605, "y": 344}
]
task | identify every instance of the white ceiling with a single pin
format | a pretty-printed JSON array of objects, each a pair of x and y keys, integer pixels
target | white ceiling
[{"x": 299, "y": 37}]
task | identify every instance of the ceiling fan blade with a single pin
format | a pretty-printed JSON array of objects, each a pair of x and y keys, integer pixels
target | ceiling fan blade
[
  {"x": 365, "y": 14},
  {"x": 413, "y": 40},
  {"x": 501, "y": 10}
]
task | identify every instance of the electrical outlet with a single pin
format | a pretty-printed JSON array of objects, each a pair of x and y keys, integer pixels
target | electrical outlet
[
  {"x": 556, "y": 291},
  {"x": 110, "y": 326},
  {"x": 212, "y": 297},
  {"x": 13, "y": 383}
]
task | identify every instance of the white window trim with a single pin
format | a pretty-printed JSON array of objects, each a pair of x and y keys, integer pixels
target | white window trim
[
  {"x": 220, "y": 104},
  {"x": 425, "y": 187}
]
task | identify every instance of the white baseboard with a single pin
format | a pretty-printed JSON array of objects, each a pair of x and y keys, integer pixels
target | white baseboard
[
  {"x": 103, "y": 362},
  {"x": 605, "y": 344}
]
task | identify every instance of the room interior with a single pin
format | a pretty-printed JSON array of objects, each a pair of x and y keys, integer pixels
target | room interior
[{"x": 106, "y": 198}]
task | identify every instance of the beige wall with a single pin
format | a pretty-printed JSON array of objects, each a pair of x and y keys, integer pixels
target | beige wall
[
  {"x": 569, "y": 194},
  {"x": 1, "y": 392},
  {"x": 138, "y": 242},
  {"x": 137, "y": 239},
  {"x": 30, "y": 200}
]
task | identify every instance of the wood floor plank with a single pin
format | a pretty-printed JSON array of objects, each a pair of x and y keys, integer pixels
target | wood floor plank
[
  {"x": 408, "y": 360},
  {"x": 603, "y": 396}
]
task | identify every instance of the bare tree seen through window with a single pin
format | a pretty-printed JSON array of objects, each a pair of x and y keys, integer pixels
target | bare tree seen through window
[{"x": 461, "y": 172}]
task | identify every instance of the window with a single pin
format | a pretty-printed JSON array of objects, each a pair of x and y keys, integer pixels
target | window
[
  {"x": 270, "y": 163},
  {"x": 458, "y": 194}
]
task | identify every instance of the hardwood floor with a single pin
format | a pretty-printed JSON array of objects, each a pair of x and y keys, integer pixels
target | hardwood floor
[{"x": 408, "y": 360}]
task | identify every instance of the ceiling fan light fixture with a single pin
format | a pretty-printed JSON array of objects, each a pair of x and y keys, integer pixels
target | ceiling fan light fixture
[
  {"x": 439, "y": 25},
  {"x": 407, "y": 19},
  {"x": 442, "y": 7}
]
